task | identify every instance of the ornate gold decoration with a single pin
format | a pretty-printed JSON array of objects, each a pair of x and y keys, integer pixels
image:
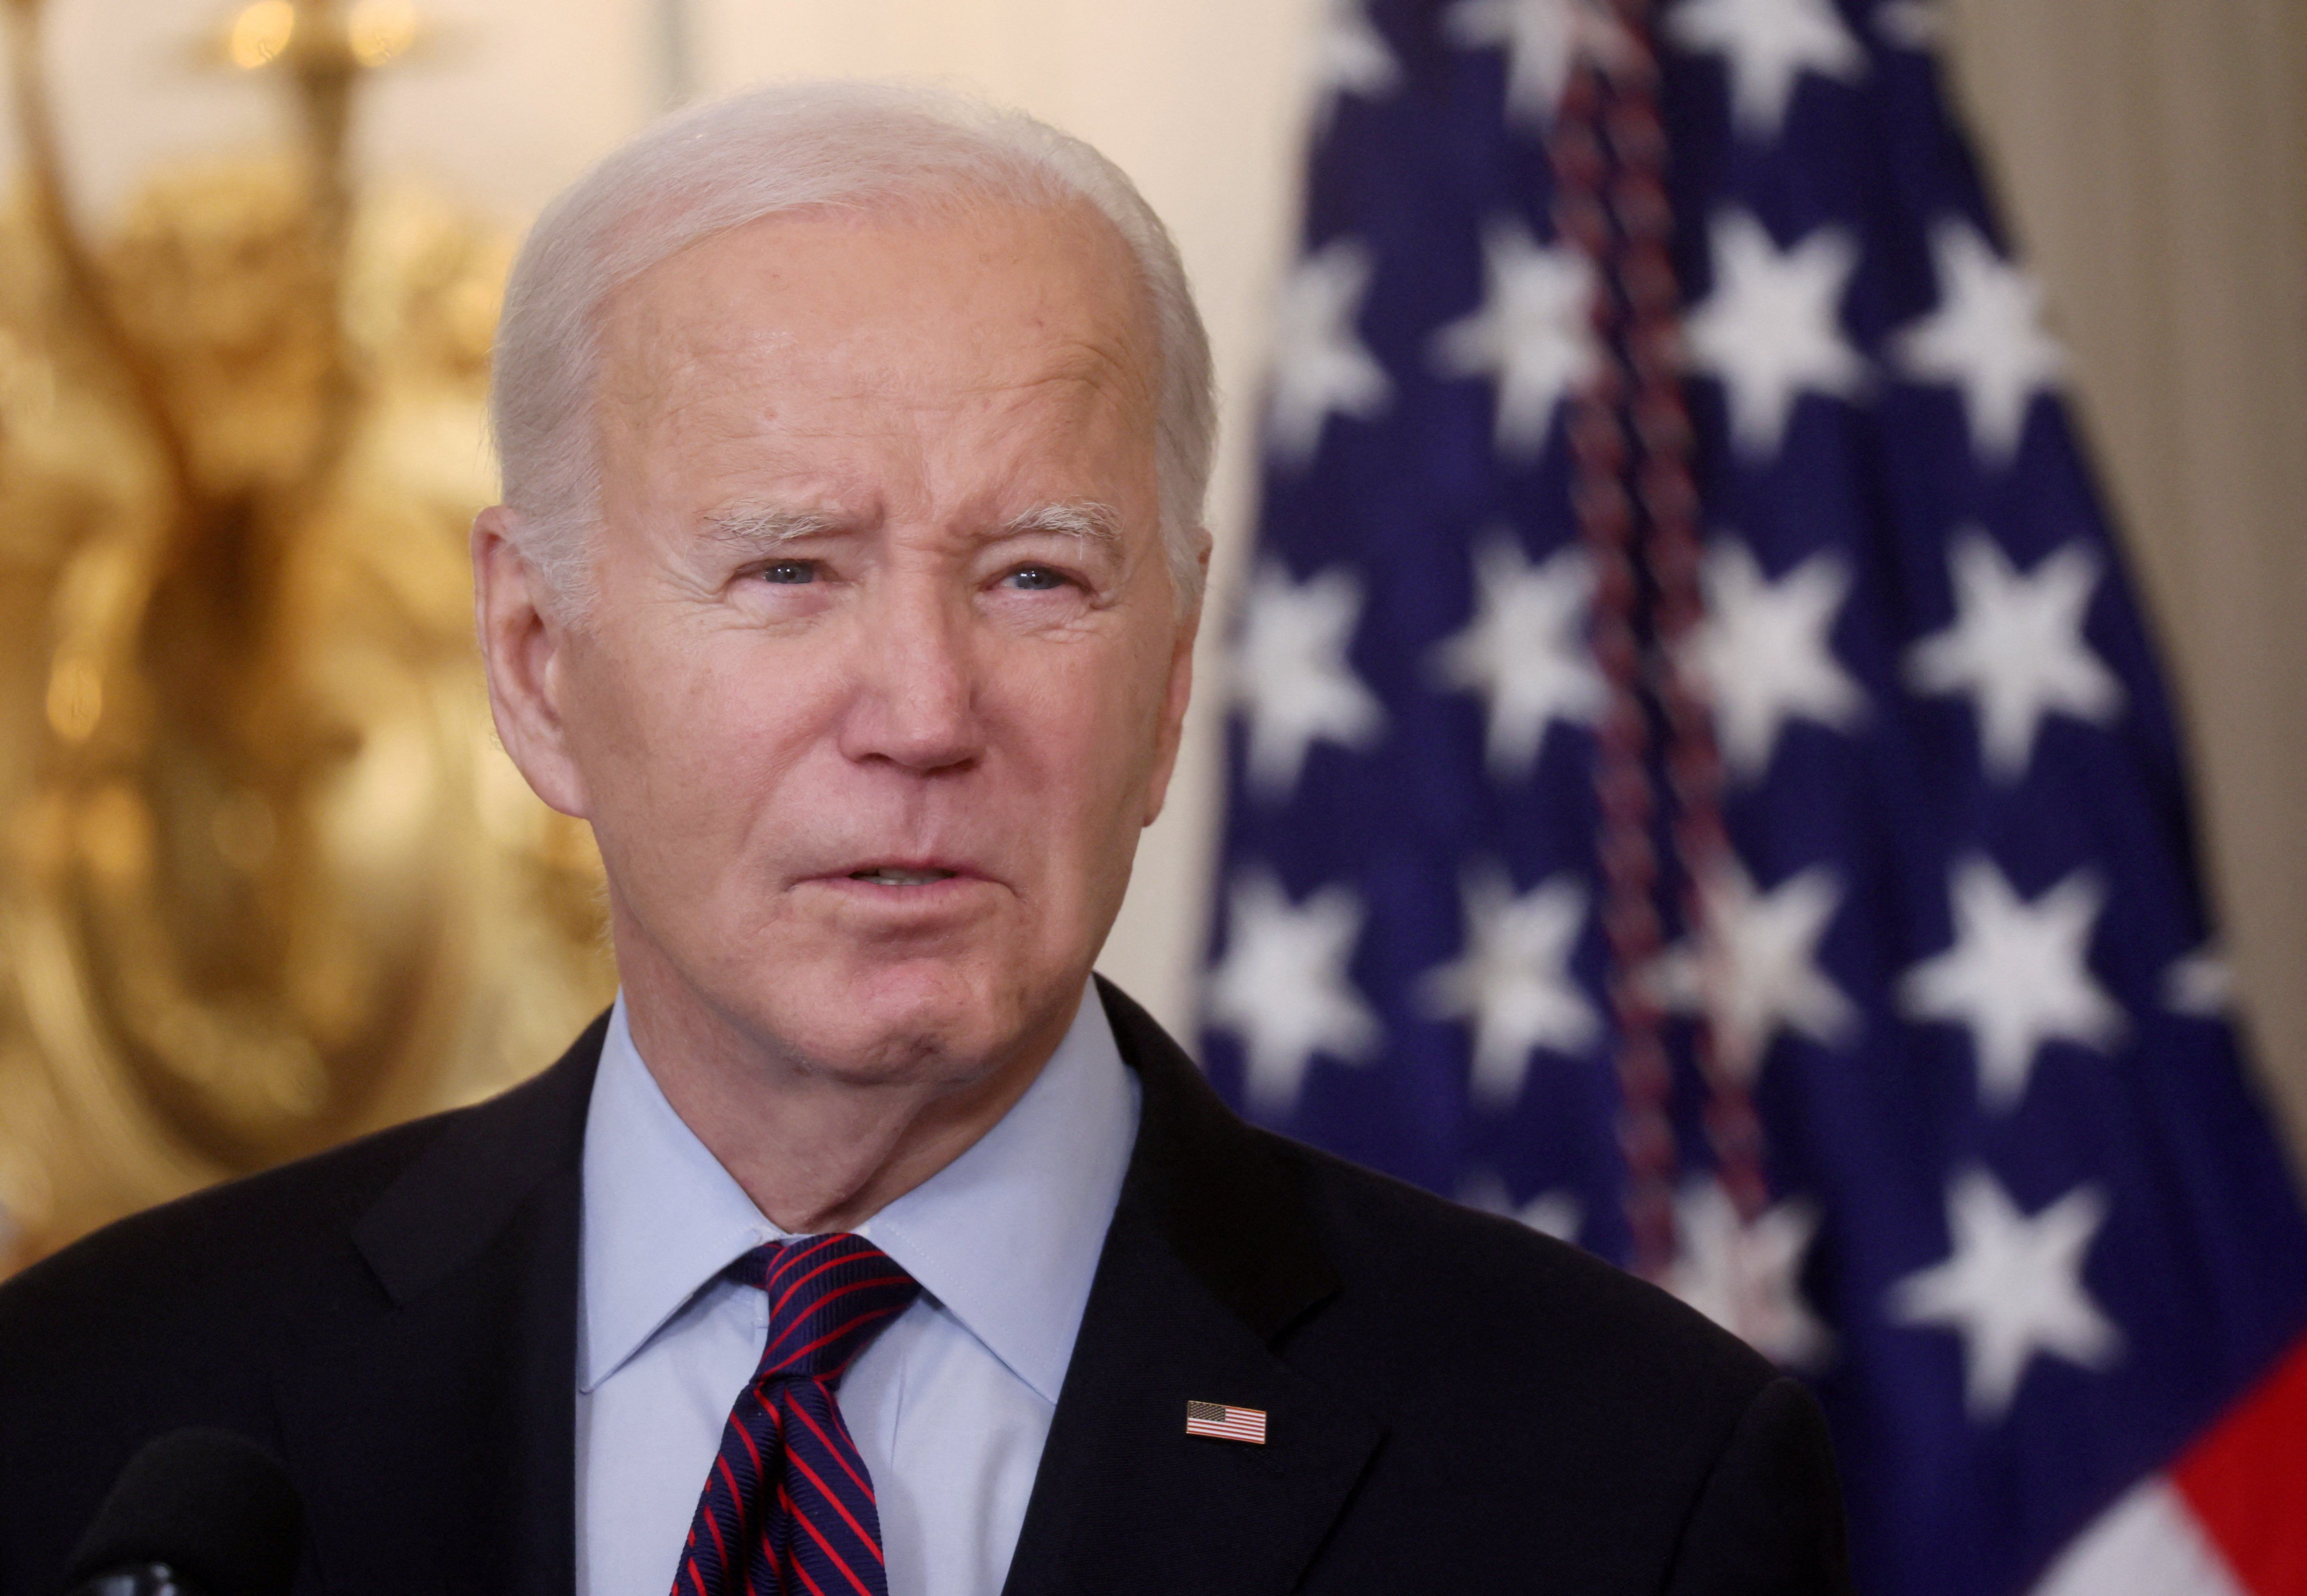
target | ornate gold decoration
[{"x": 266, "y": 880}]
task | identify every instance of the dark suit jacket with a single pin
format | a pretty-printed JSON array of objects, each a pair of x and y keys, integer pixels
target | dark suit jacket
[{"x": 1457, "y": 1403}]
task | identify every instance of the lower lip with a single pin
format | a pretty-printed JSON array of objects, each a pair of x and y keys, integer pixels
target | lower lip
[{"x": 925, "y": 894}]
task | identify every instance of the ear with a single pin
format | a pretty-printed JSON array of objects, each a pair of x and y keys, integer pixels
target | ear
[
  {"x": 1179, "y": 691},
  {"x": 525, "y": 651}
]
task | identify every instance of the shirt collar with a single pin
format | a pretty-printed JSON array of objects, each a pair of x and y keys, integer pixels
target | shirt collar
[
  {"x": 661, "y": 1216},
  {"x": 1007, "y": 1236}
]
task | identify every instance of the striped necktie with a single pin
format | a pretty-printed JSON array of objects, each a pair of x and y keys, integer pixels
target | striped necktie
[{"x": 788, "y": 1507}]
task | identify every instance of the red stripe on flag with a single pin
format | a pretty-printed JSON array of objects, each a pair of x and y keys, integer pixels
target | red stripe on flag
[
  {"x": 1224, "y": 1423},
  {"x": 2246, "y": 1481}
]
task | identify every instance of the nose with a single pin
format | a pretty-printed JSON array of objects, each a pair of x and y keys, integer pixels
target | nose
[{"x": 916, "y": 704}]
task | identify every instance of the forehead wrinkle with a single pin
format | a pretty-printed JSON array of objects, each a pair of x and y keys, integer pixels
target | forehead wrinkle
[
  {"x": 1113, "y": 369},
  {"x": 707, "y": 362}
]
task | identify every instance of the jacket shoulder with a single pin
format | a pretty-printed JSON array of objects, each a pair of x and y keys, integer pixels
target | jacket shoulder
[
  {"x": 298, "y": 1233},
  {"x": 1395, "y": 1289},
  {"x": 1503, "y": 1364},
  {"x": 212, "y": 1310},
  {"x": 232, "y": 1248},
  {"x": 1501, "y": 1305},
  {"x": 173, "y": 1317}
]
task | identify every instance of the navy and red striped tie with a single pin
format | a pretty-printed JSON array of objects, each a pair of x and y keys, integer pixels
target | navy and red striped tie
[{"x": 788, "y": 1507}]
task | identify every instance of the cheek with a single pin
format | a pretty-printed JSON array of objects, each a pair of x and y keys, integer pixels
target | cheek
[
  {"x": 684, "y": 744},
  {"x": 1089, "y": 725}
]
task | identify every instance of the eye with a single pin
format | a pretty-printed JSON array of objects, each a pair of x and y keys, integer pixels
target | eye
[
  {"x": 790, "y": 573},
  {"x": 1036, "y": 578}
]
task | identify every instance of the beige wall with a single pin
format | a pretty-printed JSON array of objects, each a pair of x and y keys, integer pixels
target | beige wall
[
  {"x": 508, "y": 101},
  {"x": 2154, "y": 155}
]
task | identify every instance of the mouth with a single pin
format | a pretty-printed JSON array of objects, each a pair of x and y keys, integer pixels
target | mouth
[{"x": 902, "y": 875}]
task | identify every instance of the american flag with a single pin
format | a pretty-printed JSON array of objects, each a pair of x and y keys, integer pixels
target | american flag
[
  {"x": 1220, "y": 1423},
  {"x": 1699, "y": 780}
]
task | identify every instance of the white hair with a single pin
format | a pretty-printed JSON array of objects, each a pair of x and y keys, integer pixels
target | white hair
[{"x": 761, "y": 153}]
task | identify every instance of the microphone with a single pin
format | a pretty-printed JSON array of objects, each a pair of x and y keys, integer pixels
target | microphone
[{"x": 195, "y": 1512}]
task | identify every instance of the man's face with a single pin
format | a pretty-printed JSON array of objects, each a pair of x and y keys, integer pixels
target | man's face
[{"x": 886, "y": 672}]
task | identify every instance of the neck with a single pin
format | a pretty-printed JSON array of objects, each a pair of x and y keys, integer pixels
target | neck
[{"x": 818, "y": 1147}]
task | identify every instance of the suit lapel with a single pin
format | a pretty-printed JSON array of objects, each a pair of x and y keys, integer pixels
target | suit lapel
[
  {"x": 1210, "y": 1259},
  {"x": 434, "y": 1431}
]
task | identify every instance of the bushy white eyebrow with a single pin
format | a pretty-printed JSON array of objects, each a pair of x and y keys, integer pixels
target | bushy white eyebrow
[
  {"x": 1083, "y": 519},
  {"x": 762, "y": 529},
  {"x": 765, "y": 528}
]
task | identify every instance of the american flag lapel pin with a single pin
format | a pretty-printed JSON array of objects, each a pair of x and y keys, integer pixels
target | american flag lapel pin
[{"x": 1223, "y": 1423}]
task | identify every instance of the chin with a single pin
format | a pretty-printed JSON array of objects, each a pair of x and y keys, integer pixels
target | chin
[{"x": 916, "y": 1020}]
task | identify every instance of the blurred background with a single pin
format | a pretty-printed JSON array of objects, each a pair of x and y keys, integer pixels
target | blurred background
[{"x": 267, "y": 880}]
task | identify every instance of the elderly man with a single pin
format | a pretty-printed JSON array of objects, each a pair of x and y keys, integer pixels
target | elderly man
[{"x": 846, "y": 583}]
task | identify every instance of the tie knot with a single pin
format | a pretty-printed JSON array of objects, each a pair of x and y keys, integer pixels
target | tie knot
[{"x": 828, "y": 1296}]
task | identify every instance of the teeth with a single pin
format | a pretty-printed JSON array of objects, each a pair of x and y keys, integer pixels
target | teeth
[{"x": 889, "y": 877}]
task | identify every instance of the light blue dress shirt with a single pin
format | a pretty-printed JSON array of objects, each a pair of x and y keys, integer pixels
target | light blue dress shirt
[{"x": 951, "y": 1403}]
